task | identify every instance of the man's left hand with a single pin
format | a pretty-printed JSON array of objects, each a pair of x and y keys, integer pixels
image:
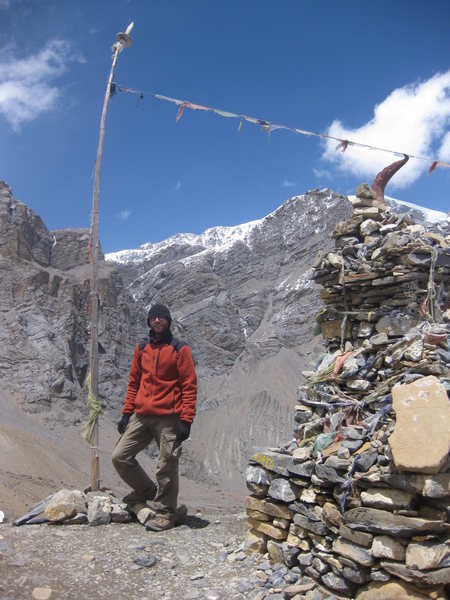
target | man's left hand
[
  {"x": 123, "y": 424},
  {"x": 183, "y": 431}
]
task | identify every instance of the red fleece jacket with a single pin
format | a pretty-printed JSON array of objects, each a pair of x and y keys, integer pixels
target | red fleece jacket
[{"x": 162, "y": 382}]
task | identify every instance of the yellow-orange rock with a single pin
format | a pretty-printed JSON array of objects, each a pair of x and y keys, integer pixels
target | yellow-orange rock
[{"x": 420, "y": 442}]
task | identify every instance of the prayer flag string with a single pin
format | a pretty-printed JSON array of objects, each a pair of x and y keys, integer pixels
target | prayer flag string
[{"x": 267, "y": 126}]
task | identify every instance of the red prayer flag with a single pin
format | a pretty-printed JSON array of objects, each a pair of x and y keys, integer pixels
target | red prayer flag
[
  {"x": 180, "y": 111},
  {"x": 433, "y": 166},
  {"x": 342, "y": 146}
]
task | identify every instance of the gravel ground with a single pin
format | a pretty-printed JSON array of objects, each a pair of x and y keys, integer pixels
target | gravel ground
[{"x": 202, "y": 558}]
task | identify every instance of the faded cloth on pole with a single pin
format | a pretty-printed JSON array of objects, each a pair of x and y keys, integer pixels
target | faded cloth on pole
[{"x": 95, "y": 410}]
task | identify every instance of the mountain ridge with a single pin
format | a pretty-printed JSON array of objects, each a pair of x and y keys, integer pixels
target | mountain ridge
[{"x": 220, "y": 238}]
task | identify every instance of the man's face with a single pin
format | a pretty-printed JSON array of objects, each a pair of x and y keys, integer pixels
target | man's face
[{"x": 158, "y": 324}]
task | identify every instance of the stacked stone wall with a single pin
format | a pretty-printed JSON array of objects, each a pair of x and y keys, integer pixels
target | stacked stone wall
[{"x": 358, "y": 504}]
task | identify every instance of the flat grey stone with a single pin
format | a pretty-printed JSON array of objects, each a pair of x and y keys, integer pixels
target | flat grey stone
[
  {"x": 258, "y": 476},
  {"x": 282, "y": 489},
  {"x": 329, "y": 474},
  {"x": 272, "y": 461},
  {"x": 146, "y": 560},
  {"x": 381, "y": 521},
  {"x": 355, "y": 553},
  {"x": 338, "y": 584},
  {"x": 430, "y": 578},
  {"x": 304, "y": 469},
  {"x": 316, "y": 527}
]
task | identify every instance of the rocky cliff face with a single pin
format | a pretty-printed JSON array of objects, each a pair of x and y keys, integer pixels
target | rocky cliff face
[
  {"x": 44, "y": 320},
  {"x": 241, "y": 297}
]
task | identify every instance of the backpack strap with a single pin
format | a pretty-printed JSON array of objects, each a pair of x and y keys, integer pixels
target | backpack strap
[
  {"x": 174, "y": 342},
  {"x": 142, "y": 343},
  {"x": 177, "y": 344}
]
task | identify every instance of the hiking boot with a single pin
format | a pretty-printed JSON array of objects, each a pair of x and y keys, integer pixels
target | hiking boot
[
  {"x": 154, "y": 520},
  {"x": 160, "y": 522},
  {"x": 135, "y": 497}
]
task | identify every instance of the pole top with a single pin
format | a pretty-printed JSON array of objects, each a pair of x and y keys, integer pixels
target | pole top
[{"x": 123, "y": 39}]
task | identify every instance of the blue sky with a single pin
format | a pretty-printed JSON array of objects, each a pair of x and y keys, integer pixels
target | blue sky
[{"x": 375, "y": 72}]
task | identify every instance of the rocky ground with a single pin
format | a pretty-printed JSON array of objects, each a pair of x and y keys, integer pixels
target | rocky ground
[{"x": 202, "y": 558}]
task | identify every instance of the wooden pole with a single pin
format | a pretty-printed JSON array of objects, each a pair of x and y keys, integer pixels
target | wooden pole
[{"x": 123, "y": 40}]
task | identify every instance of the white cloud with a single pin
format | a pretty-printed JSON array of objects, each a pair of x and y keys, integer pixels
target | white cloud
[
  {"x": 123, "y": 214},
  {"x": 288, "y": 184},
  {"x": 322, "y": 173},
  {"x": 444, "y": 150},
  {"x": 26, "y": 88},
  {"x": 4, "y": 4},
  {"x": 411, "y": 120}
]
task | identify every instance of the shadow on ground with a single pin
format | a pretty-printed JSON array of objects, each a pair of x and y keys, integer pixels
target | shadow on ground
[{"x": 194, "y": 522}]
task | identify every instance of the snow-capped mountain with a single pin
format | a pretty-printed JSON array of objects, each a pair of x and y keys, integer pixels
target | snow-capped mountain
[
  {"x": 215, "y": 238},
  {"x": 221, "y": 239}
]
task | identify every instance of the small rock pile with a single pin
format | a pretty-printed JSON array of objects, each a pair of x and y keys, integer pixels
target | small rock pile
[
  {"x": 358, "y": 503},
  {"x": 74, "y": 507}
]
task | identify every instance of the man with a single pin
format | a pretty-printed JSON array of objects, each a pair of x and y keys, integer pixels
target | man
[{"x": 160, "y": 406}]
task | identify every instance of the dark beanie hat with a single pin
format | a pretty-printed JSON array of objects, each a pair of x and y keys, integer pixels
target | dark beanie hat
[{"x": 158, "y": 310}]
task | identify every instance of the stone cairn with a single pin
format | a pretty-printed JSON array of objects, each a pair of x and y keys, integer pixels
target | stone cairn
[{"x": 358, "y": 504}]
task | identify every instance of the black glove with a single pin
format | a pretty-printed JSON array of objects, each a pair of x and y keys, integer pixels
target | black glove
[
  {"x": 123, "y": 424},
  {"x": 183, "y": 431}
]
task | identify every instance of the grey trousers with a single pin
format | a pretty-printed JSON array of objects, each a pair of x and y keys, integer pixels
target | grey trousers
[{"x": 140, "y": 432}]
